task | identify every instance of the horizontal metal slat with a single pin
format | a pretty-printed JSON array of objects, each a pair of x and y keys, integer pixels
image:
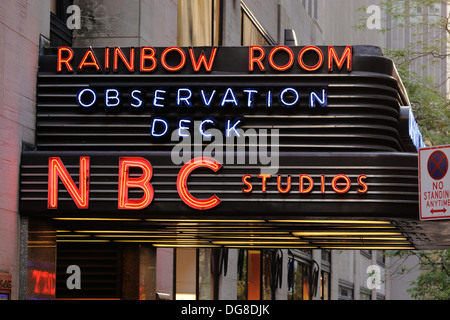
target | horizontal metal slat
[{"x": 376, "y": 102}]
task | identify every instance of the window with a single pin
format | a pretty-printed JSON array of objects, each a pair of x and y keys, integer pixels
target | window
[
  {"x": 380, "y": 296},
  {"x": 198, "y": 272},
  {"x": 249, "y": 275},
  {"x": 252, "y": 32},
  {"x": 267, "y": 292},
  {"x": 250, "y": 35},
  {"x": 364, "y": 294},
  {"x": 298, "y": 279},
  {"x": 272, "y": 265},
  {"x": 198, "y": 23},
  {"x": 326, "y": 256},
  {"x": 205, "y": 276},
  {"x": 381, "y": 258},
  {"x": 185, "y": 275},
  {"x": 366, "y": 253},
  {"x": 310, "y": 7},
  {"x": 242, "y": 274},
  {"x": 315, "y": 10},
  {"x": 257, "y": 274},
  {"x": 345, "y": 290},
  {"x": 325, "y": 285},
  {"x": 60, "y": 34}
]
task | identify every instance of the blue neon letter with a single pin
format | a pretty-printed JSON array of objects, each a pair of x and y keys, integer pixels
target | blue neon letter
[
  {"x": 86, "y": 105},
  {"x": 207, "y": 103},
  {"x": 163, "y": 122},
  {"x": 289, "y": 104},
  {"x": 137, "y": 98},
  {"x": 232, "y": 128},
  {"x": 157, "y": 97},
  {"x": 227, "y": 100},
  {"x": 269, "y": 99},
  {"x": 109, "y": 97},
  {"x": 181, "y": 127},
  {"x": 313, "y": 97},
  {"x": 202, "y": 131},
  {"x": 185, "y": 98},
  {"x": 250, "y": 97}
]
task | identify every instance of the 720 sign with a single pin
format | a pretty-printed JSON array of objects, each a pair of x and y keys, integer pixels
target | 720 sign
[{"x": 434, "y": 183}]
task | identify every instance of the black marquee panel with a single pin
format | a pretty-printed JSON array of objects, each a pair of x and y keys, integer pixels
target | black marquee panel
[
  {"x": 363, "y": 131},
  {"x": 391, "y": 181},
  {"x": 362, "y": 113}
]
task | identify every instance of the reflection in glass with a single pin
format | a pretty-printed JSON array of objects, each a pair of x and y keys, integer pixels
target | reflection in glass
[
  {"x": 198, "y": 23},
  {"x": 250, "y": 35}
]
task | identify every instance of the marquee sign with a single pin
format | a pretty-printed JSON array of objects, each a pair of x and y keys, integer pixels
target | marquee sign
[
  {"x": 189, "y": 131},
  {"x": 146, "y": 185},
  {"x": 175, "y": 59},
  {"x": 340, "y": 183},
  {"x": 188, "y": 96}
]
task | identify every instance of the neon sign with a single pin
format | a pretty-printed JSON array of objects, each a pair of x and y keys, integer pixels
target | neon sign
[
  {"x": 79, "y": 195},
  {"x": 147, "y": 59},
  {"x": 223, "y": 99},
  {"x": 414, "y": 132},
  {"x": 44, "y": 282},
  {"x": 339, "y": 183},
  {"x": 288, "y": 97},
  {"x": 142, "y": 182},
  {"x": 185, "y": 195},
  {"x": 185, "y": 97}
]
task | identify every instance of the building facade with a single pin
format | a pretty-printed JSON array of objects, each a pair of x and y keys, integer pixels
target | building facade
[{"x": 37, "y": 251}]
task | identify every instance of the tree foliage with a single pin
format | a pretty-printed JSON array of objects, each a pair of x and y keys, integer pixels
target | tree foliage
[
  {"x": 428, "y": 40},
  {"x": 433, "y": 283},
  {"x": 428, "y": 29},
  {"x": 424, "y": 19}
]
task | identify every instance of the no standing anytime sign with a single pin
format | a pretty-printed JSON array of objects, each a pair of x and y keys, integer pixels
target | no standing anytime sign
[{"x": 434, "y": 183}]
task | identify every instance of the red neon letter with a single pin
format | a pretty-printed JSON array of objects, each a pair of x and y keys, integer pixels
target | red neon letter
[
  {"x": 145, "y": 56},
  {"x": 37, "y": 275},
  {"x": 142, "y": 182},
  {"x": 62, "y": 60},
  {"x": 106, "y": 58},
  {"x": 264, "y": 178},
  {"x": 332, "y": 55},
  {"x": 322, "y": 183},
  {"x": 200, "y": 204},
  {"x": 180, "y": 65},
  {"x": 253, "y": 59},
  {"x": 311, "y": 183},
  {"x": 247, "y": 183},
  {"x": 129, "y": 64},
  {"x": 288, "y": 187},
  {"x": 80, "y": 196},
  {"x": 347, "y": 183},
  {"x": 314, "y": 67},
  {"x": 92, "y": 63},
  {"x": 362, "y": 184},
  {"x": 44, "y": 283},
  {"x": 287, "y": 65},
  {"x": 202, "y": 59}
]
